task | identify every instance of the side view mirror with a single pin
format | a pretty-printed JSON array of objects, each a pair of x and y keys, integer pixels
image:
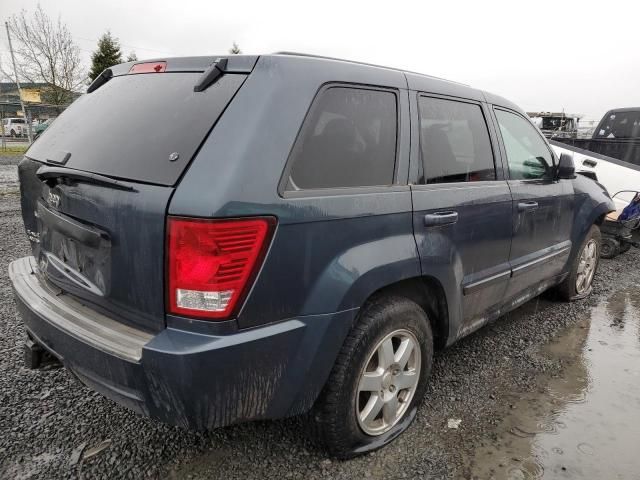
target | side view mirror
[{"x": 566, "y": 169}]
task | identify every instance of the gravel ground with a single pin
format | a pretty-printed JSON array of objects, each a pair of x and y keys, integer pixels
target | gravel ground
[
  {"x": 8, "y": 176},
  {"x": 47, "y": 417}
]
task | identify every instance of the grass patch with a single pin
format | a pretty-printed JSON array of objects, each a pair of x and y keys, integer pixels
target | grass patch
[{"x": 13, "y": 150}]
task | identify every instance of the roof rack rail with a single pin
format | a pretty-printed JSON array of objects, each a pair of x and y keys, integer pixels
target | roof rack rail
[{"x": 323, "y": 57}]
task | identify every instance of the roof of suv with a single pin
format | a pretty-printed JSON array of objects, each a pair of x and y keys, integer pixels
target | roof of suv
[
  {"x": 459, "y": 87},
  {"x": 246, "y": 63}
]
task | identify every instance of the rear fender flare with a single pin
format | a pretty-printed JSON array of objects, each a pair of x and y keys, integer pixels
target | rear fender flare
[{"x": 356, "y": 273}]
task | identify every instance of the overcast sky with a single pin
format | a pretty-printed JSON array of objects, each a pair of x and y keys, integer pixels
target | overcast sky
[{"x": 580, "y": 56}]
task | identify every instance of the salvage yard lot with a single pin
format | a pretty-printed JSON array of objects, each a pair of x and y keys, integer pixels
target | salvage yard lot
[{"x": 51, "y": 424}]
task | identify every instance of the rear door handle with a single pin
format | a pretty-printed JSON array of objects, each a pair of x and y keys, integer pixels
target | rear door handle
[
  {"x": 587, "y": 162},
  {"x": 524, "y": 206},
  {"x": 440, "y": 218}
]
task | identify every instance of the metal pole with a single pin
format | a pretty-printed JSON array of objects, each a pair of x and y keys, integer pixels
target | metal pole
[
  {"x": 4, "y": 140},
  {"x": 15, "y": 72}
]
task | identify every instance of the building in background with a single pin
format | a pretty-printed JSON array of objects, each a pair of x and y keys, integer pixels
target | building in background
[{"x": 35, "y": 98}]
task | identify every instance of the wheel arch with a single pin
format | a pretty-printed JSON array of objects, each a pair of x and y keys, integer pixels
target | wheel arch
[{"x": 429, "y": 294}]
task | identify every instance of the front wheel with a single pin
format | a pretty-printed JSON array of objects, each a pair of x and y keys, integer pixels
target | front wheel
[
  {"x": 585, "y": 264},
  {"x": 378, "y": 379}
]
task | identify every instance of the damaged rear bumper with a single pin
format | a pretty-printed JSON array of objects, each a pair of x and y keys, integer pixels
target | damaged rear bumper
[{"x": 180, "y": 377}]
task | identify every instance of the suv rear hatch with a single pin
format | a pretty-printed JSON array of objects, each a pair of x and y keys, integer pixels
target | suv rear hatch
[{"x": 96, "y": 185}]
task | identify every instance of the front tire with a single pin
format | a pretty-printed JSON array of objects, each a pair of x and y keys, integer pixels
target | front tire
[
  {"x": 585, "y": 264},
  {"x": 378, "y": 380}
]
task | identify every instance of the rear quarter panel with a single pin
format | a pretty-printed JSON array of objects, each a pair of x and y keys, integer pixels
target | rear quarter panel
[{"x": 331, "y": 249}]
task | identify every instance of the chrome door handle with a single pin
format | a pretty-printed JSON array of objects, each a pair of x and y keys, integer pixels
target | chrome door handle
[
  {"x": 440, "y": 218},
  {"x": 524, "y": 206}
]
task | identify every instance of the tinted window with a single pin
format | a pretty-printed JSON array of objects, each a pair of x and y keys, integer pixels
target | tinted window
[
  {"x": 347, "y": 140},
  {"x": 620, "y": 125},
  {"x": 527, "y": 154},
  {"x": 454, "y": 142},
  {"x": 130, "y": 126},
  {"x": 17, "y": 120}
]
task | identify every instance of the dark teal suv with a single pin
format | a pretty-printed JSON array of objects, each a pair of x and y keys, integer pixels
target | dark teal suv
[{"x": 302, "y": 238}]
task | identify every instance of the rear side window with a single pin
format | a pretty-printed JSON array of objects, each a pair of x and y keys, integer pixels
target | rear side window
[
  {"x": 347, "y": 140},
  {"x": 454, "y": 142},
  {"x": 527, "y": 154},
  {"x": 144, "y": 127}
]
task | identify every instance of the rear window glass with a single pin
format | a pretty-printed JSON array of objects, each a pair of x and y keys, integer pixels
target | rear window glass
[
  {"x": 620, "y": 125},
  {"x": 348, "y": 140},
  {"x": 131, "y": 126},
  {"x": 17, "y": 120}
]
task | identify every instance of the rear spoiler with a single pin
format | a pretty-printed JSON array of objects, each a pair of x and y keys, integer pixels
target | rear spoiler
[{"x": 214, "y": 66}]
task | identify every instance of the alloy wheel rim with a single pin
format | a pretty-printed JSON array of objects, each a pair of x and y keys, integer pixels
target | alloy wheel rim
[
  {"x": 388, "y": 382},
  {"x": 586, "y": 266}
]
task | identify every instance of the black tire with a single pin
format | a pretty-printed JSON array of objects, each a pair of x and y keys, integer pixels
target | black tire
[
  {"x": 13, "y": 134},
  {"x": 610, "y": 247},
  {"x": 334, "y": 414},
  {"x": 624, "y": 247},
  {"x": 567, "y": 289}
]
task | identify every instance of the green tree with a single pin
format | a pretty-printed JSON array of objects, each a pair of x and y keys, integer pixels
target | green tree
[
  {"x": 235, "y": 50},
  {"x": 107, "y": 55},
  {"x": 132, "y": 57}
]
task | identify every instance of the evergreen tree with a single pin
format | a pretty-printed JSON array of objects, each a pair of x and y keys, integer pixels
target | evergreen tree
[
  {"x": 235, "y": 50},
  {"x": 107, "y": 55}
]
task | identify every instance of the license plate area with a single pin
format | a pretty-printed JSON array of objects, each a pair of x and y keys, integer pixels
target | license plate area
[{"x": 73, "y": 254}]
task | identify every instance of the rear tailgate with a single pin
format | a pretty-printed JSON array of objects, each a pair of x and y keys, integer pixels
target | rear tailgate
[{"x": 96, "y": 185}]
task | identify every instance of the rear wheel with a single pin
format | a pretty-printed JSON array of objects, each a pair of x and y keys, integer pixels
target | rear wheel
[
  {"x": 585, "y": 264},
  {"x": 610, "y": 247},
  {"x": 378, "y": 379}
]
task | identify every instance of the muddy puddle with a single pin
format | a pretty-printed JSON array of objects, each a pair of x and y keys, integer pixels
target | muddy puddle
[{"x": 585, "y": 421}]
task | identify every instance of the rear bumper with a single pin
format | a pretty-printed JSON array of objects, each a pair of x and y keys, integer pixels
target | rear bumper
[{"x": 180, "y": 377}]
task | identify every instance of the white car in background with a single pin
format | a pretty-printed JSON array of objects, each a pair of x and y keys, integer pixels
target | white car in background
[
  {"x": 14, "y": 127},
  {"x": 616, "y": 175}
]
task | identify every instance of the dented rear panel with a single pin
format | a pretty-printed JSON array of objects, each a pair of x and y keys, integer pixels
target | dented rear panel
[{"x": 100, "y": 244}]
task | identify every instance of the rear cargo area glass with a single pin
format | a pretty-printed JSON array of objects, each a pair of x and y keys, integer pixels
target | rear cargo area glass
[{"x": 144, "y": 127}]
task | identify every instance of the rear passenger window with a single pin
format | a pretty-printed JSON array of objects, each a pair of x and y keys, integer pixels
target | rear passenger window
[
  {"x": 454, "y": 142},
  {"x": 347, "y": 140}
]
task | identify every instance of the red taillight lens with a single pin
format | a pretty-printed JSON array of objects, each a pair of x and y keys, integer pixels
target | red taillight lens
[
  {"x": 212, "y": 263},
  {"x": 149, "y": 67}
]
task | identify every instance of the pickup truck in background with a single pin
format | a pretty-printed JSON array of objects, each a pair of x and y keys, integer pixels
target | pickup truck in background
[
  {"x": 616, "y": 136},
  {"x": 615, "y": 175}
]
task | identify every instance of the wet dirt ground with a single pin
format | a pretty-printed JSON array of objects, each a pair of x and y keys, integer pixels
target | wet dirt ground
[{"x": 583, "y": 422}]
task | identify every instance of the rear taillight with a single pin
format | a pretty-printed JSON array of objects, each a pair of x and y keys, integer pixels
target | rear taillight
[
  {"x": 212, "y": 263},
  {"x": 149, "y": 67}
]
